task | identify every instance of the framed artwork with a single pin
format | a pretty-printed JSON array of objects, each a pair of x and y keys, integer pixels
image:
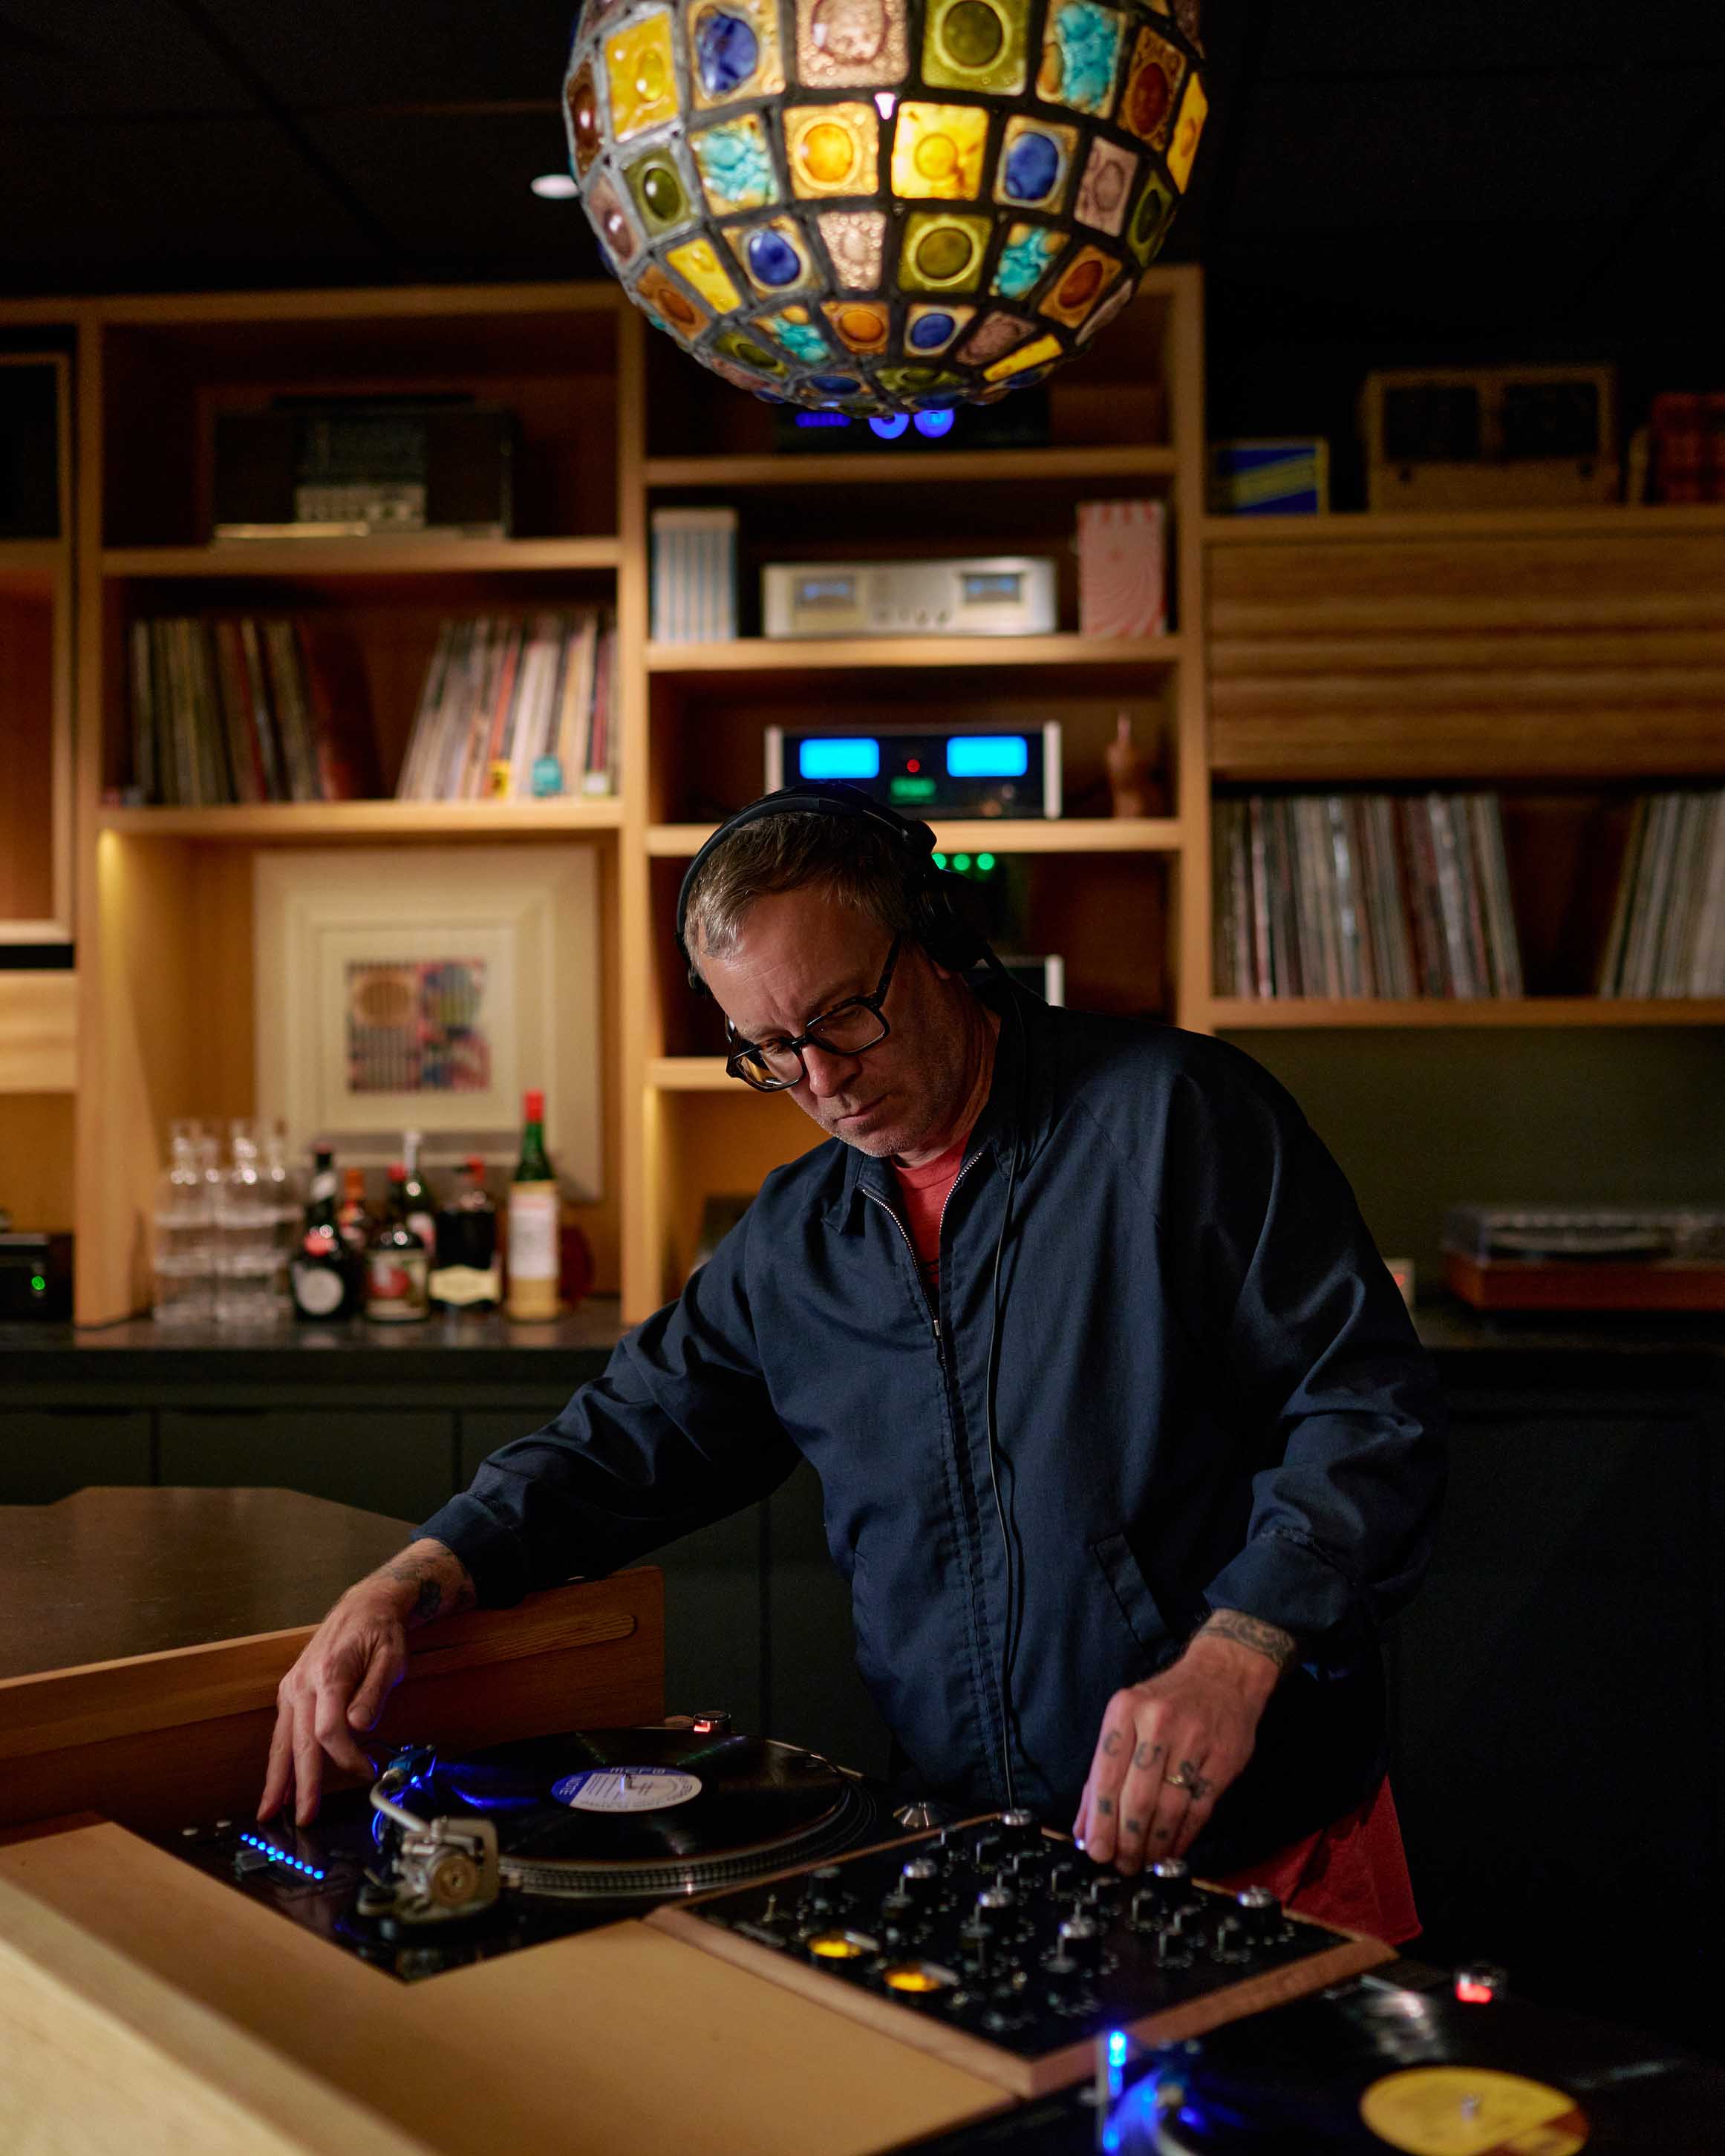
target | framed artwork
[{"x": 428, "y": 988}]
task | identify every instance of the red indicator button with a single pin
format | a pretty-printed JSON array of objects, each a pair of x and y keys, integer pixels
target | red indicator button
[{"x": 1479, "y": 1985}]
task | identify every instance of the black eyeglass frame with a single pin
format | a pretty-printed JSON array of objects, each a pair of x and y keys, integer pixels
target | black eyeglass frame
[{"x": 740, "y": 1047}]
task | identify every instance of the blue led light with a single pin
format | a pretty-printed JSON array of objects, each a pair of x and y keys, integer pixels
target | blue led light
[
  {"x": 857, "y": 756},
  {"x": 281, "y": 1856},
  {"x": 934, "y": 424},
  {"x": 892, "y": 426},
  {"x": 987, "y": 756},
  {"x": 819, "y": 418},
  {"x": 1116, "y": 2047}
]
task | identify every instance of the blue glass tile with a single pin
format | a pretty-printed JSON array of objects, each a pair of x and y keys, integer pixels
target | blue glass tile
[
  {"x": 727, "y": 52},
  {"x": 1032, "y": 167},
  {"x": 773, "y": 258},
  {"x": 928, "y": 332},
  {"x": 835, "y": 385}
]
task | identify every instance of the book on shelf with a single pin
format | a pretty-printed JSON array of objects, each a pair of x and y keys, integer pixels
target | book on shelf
[
  {"x": 1667, "y": 931},
  {"x": 231, "y": 710},
  {"x": 514, "y": 707},
  {"x": 1355, "y": 896}
]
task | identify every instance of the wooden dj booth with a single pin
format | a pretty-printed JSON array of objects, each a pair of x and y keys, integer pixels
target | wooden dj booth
[{"x": 145, "y": 2006}]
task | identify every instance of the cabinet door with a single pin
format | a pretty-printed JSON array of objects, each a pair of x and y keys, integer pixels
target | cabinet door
[
  {"x": 382, "y": 1459},
  {"x": 816, "y": 1695},
  {"x": 47, "y": 1453},
  {"x": 1556, "y": 1761},
  {"x": 712, "y": 1590}
]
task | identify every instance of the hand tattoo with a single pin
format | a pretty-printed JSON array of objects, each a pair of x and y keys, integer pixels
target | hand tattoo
[
  {"x": 1147, "y": 1755},
  {"x": 1197, "y": 1786},
  {"x": 1105, "y": 1806},
  {"x": 1111, "y": 1743},
  {"x": 1134, "y": 1827},
  {"x": 1269, "y": 1641},
  {"x": 429, "y": 1601}
]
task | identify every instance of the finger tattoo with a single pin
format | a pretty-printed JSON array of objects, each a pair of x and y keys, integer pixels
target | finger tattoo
[
  {"x": 1198, "y": 1788},
  {"x": 1147, "y": 1755},
  {"x": 1135, "y": 1826},
  {"x": 1105, "y": 1805},
  {"x": 1110, "y": 1742}
]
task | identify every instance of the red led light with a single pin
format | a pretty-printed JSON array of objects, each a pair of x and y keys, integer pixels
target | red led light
[
  {"x": 913, "y": 763},
  {"x": 1478, "y": 1986}
]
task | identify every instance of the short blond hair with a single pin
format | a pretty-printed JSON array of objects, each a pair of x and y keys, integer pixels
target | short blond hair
[{"x": 856, "y": 865}]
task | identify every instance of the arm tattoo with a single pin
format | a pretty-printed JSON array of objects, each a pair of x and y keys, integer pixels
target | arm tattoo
[
  {"x": 430, "y": 1600},
  {"x": 1269, "y": 1641}
]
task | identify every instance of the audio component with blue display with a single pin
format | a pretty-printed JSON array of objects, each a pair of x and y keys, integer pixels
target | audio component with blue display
[
  {"x": 994, "y": 595},
  {"x": 921, "y": 771}
]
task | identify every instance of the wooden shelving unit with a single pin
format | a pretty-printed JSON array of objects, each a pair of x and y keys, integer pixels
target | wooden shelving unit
[
  {"x": 882, "y": 655},
  {"x": 1233, "y": 1014},
  {"x": 323, "y": 820},
  {"x": 1003, "y": 835},
  {"x": 1015, "y": 468}
]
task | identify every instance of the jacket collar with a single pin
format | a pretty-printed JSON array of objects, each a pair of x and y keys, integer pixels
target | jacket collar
[{"x": 1019, "y": 1109}]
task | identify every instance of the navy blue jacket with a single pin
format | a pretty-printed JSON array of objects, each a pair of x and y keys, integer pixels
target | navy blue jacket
[{"x": 1209, "y": 1395}]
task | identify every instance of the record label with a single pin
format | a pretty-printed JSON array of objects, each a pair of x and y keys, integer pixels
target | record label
[
  {"x": 626, "y": 1788},
  {"x": 1472, "y": 2111}
]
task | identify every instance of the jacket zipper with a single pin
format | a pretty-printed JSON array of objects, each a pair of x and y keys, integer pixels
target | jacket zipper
[{"x": 934, "y": 1315}]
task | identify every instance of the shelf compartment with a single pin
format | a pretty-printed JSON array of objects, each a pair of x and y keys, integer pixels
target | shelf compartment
[
  {"x": 38, "y": 1034},
  {"x": 1003, "y": 835},
  {"x": 310, "y": 561},
  {"x": 1238, "y": 1013},
  {"x": 320, "y": 820},
  {"x": 690, "y": 1073}
]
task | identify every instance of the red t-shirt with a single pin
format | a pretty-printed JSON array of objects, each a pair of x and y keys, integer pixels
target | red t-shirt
[
  {"x": 1353, "y": 1874},
  {"x": 922, "y": 1193}
]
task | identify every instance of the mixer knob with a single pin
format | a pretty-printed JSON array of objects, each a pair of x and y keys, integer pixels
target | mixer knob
[
  {"x": 995, "y": 1906},
  {"x": 1019, "y": 1828},
  {"x": 1064, "y": 1877},
  {"x": 988, "y": 1849},
  {"x": 1258, "y": 1915},
  {"x": 1081, "y": 1943},
  {"x": 1105, "y": 1892},
  {"x": 1173, "y": 1950},
  {"x": 821, "y": 1895},
  {"x": 1168, "y": 1883},
  {"x": 919, "y": 1881}
]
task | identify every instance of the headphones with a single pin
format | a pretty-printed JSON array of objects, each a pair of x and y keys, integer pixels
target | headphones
[{"x": 936, "y": 923}]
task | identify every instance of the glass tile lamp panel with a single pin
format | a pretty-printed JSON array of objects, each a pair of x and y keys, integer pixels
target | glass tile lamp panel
[
  {"x": 995, "y": 335},
  {"x": 832, "y": 149},
  {"x": 746, "y": 349},
  {"x": 1081, "y": 56},
  {"x": 663, "y": 191},
  {"x": 669, "y": 305},
  {"x": 1153, "y": 76},
  {"x": 977, "y": 45},
  {"x": 697, "y": 262},
  {"x": 1042, "y": 353},
  {"x": 1035, "y": 163},
  {"x": 641, "y": 75},
  {"x": 580, "y": 107},
  {"x": 925, "y": 388},
  {"x": 1080, "y": 286},
  {"x": 943, "y": 251},
  {"x": 774, "y": 256},
  {"x": 862, "y": 325},
  {"x": 1152, "y": 215},
  {"x": 1114, "y": 305},
  {"x": 735, "y": 162},
  {"x": 611, "y": 221},
  {"x": 1105, "y": 188},
  {"x": 1029, "y": 254},
  {"x": 796, "y": 333},
  {"x": 1195, "y": 107},
  {"x": 852, "y": 45},
  {"x": 938, "y": 151},
  {"x": 930, "y": 330},
  {"x": 734, "y": 51},
  {"x": 855, "y": 241}
]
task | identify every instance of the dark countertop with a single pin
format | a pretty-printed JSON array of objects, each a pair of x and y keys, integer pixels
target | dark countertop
[{"x": 107, "y": 1574}]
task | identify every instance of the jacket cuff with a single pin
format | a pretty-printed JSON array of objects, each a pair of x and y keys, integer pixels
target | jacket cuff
[
  {"x": 492, "y": 1552},
  {"x": 1282, "y": 1579}
]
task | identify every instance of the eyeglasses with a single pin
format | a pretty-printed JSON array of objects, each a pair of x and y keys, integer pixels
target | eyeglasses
[{"x": 770, "y": 1066}]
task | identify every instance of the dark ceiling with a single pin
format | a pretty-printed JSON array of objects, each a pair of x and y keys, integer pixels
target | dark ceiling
[{"x": 1520, "y": 177}]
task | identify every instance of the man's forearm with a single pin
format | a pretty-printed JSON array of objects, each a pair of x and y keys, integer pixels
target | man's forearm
[
  {"x": 1279, "y": 1649},
  {"x": 427, "y": 1580}
]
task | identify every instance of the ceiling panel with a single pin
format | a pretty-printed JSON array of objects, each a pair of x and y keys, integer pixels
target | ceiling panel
[
  {"x": 329, "y": 53},
  {"x": 83, "y": 58},
  {"x": 1481, "y": 37}
]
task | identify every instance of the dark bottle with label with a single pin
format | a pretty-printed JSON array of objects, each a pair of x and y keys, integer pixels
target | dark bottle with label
[
  {"x": 467, "y": 1275},
  {"x": 421, "y": 1204},
  {"x": 322, "y": 1277},
  {"x": 533, "y": 1215},
  {"x": 397, "y": 1263},
  {"x": 353, "y": 1220}
]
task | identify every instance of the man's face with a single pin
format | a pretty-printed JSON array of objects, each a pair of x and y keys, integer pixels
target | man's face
[{"x": 799, "y": 953}]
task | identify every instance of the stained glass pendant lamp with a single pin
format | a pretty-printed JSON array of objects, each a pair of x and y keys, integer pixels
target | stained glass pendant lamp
[{"x": 883, "y": 205}]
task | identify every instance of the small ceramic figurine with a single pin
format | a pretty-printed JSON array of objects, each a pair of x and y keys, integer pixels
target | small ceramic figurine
[{"x": 1131, "y": 776}]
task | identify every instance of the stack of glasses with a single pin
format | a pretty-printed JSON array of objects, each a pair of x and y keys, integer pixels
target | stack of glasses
[{"x": 223, "y": 1233}]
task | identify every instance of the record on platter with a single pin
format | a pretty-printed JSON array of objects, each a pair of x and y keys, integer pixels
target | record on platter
[{"x": 643, "y": 1812}]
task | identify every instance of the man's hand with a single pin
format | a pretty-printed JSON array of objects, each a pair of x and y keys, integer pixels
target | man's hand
[
  {"x": 349, "y": 1667},
  {"x": 1171, "y": 1745}
]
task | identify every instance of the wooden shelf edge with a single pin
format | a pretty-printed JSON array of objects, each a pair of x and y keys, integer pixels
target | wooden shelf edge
[
  {"x": 1015, "y": 834},
  {"x": 361, "y": 557},
  {"x": 1238, "y": 1013},
  {"x": 338, "y": 303},
  {"x": 39, "y": 1031},
  {"x": 1615, "y": 520},
  {"x": 760, "y": 654},
  {"x": 337, "y": 820},
  {"x": 912, "y": 467},
  {"x": 689, "y": 1074}
]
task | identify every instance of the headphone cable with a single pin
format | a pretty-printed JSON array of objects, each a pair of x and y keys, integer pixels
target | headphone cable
[{"x": 1004, "y": 1679}]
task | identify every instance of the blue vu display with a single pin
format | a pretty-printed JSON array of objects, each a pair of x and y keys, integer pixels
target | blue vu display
[
  {"x": 856, "y": 756},
  {"x": 987, "y": 756}
]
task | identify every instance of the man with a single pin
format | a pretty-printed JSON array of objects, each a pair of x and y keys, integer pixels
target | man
[{"x": 1126, "y": 1444}]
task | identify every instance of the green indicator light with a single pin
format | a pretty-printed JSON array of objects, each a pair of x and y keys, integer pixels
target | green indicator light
[
  {"x": 961, "y": 863},
  {"x": 939, "y": 859},
  {"x": 985, "y": 862},
  {"x": 38, "y": 1284},
  {"x": 912, "y": 789}
]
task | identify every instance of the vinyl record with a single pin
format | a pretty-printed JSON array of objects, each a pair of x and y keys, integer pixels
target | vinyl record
[{"x": 641, "y": 1811}]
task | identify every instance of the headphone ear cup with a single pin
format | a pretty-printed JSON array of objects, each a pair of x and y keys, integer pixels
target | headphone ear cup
[{"x": 942, "y": 929}]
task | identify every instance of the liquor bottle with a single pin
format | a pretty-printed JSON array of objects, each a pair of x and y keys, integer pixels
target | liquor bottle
[
  {"x": 533, "y": 1223},
  {"x": 421, "y": 1204},
  {"x": 321, "y": 1191},
  {"x": 322, "y": 1276},
  {"x": 353, "y": 1221},
  {"x": 397, "y": 1263},
  {"x": 467, "y": 1275}
]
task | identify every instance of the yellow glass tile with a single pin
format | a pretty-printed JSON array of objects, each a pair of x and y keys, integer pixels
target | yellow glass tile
[
  {"x": 1080, "y": 284},
  {"x": 943, "y": 252},
  {"x": 976, "y": 44},
  {"x": 860, "y": 325},
  {"x": 1026, "y": 355},
  {"x": 1188, "y": 128},
  {"x": 642, "y": 76},
  {"x": 698, "y": 263},
  {"x": 938, "y": 151},
  {"x": 833, "y": 149}
]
